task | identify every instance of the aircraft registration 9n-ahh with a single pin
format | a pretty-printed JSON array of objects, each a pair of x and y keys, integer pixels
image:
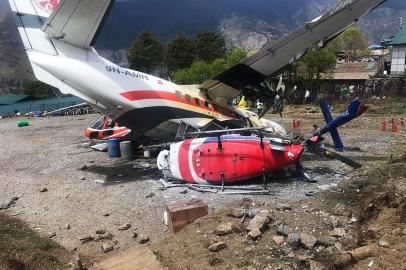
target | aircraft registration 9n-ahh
[{"x": 58, "y": 37}]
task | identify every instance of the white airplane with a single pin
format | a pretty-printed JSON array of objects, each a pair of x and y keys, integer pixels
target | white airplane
[{"x": 58, "y": 37}]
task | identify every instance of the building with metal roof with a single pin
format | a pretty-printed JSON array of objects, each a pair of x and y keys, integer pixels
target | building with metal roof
[
  {"x": 13, "y": 99},
  {"x": 398, "y": 65}
]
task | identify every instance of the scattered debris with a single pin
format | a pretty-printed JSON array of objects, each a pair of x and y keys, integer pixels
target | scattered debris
[
  {"x": 217, "y": 246},
  {"x": 142, "y": 166},
  {"x": 106, "y": 247},
  {"x": 341, "y": 210},
  {"x": 143, "y": 239},
  {"x": 102, "y": 147},
  {"x": 383, "y": 243},
  {"x": 124, "y": 227},
  {"x": 52, "y": 235},
  {"x": 150, "y": 195},
  {"x": 85, "y": 239},
  {"x": 43, "y": 189},
  {"x": 310, "y": 193},
  {"x": 326, "y": 241},
  {"x": 293, "y": 240},
  {"x": 183, "y": 191},
  {"x": 283, "y": 207},
  {"x": 9, "y": 203},
  {"x": 106, "y": 236},
  {"x": 101, "y": 231}
]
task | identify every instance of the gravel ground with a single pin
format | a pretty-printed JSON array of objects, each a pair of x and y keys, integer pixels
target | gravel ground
[{"x": 109, "y": 193}]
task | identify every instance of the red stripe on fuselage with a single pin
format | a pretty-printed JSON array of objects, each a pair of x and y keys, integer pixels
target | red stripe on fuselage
[
  {"x": 152, "y": 94},
  {"x": 183, "y": 161}
]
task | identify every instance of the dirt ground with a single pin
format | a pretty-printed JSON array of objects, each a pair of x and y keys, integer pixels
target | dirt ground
[{"x": 85, "y": 191}]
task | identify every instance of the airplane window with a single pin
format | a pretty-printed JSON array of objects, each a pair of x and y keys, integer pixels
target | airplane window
[
  {"x": 178, "y": 94},
  {"x": 207, "y": 104},
  {"x": 188, "y": 98},
  {"x": 197, "y": 101}
]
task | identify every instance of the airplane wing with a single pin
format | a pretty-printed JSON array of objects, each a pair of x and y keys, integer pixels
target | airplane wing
[
  {"x": 276, "y": 55},
  {"x": 77, "y": 22}
]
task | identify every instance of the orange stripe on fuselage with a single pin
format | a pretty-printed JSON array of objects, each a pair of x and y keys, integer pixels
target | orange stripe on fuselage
[{"x": 152, "y": 94}]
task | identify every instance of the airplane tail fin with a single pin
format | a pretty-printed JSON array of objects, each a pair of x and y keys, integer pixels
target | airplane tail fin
[
  {"x": 57, "y": 31},
  {"x": 355, "y": 109},
  {"x": 30, "y": 15}
]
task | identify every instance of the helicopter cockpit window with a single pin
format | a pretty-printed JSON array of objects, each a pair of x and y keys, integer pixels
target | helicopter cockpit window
[
  {"x": 98, "y": 124},
  {"x": 110, "y": 123}
]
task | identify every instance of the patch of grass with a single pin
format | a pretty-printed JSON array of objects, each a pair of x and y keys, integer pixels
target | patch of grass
[{"x": 23, "y": 248}]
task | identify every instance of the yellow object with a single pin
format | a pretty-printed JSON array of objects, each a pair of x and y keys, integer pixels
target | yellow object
[{"x": 242, "y": 104}]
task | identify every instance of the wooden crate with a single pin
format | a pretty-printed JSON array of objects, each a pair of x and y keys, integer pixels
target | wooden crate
[{"x": 182, "y": 213}]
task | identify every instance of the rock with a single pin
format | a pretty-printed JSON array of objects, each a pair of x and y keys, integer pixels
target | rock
[
  {"x": 304, "y": 257},
  {"x": 342, "y": 260},
  {"x": 143, "y": 239},
  {"x": 77, "y": 265},
  {"x": 283, "y": 207},
  {"x": 52, "y": 235},
  {"x": 397, "y": 231},
  {"x": 254, "y": 234},
  {"x": 150, "y": 195},
  {"x": 67, "y": 227},
  {"x": 217, "y": 246},
  {"x": 106, "y": 214},
  {"x": 106, "y": 247},
  {"x": 215, "y": 261},
  {"x": 82, "y": 178},
  {"x": 326, "y": 241},
  {"x": 237, "y": 228},
  {"x": 283, "y": 230},
  {"x": 364, "y": 252},
  {"x": 84, "y": 167},
  {"x": 101, "y": 231},
  {"x": 85, "y": 239},
  {"x": 307, "y": 241},
  {"x": 43, "y": 189},
  {"x": 238, "y": 212},
  {"x": 224, "y": 229},
  {"x": 252, "y": 212},
  {"x": 260, "y": 221},
  {"x": 124, "y": 227},
  {"x": 115, "y": 242},
  {"x": 106, "y": 236},
  {"x": 293, "y": 239},
  {"x": 278, "y": 239},
  {"x": 341, "y": 210},
  {"x": 134, "y": 235},
  {"x": 313, "y": 265},
  {"x": 338, "y": 232},
  {"x": 338, "y": 246},
  {"x": 183, "y": 191},
  {"x": 383, "y": 243}
]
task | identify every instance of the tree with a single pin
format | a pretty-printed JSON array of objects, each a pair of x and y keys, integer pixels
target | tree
[
  {"x": 180, "y": 53},
  {"x": 318, "y": 61},
  {"x": 201, "y": 71},
  {"x": 39, "y": 90},
  {"x": 352, "y": 42},
  {"x": 146, "y": 54},
  {"x": 209, "y": 46}
]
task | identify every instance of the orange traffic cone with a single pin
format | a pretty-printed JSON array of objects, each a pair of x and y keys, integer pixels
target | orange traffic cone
[
  {"x": 394, "y": 125},
  {"x": 383, "y": 126}
]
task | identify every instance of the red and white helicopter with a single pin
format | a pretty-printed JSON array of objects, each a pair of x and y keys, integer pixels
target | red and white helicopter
[{"x": 58, "y": 37}]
